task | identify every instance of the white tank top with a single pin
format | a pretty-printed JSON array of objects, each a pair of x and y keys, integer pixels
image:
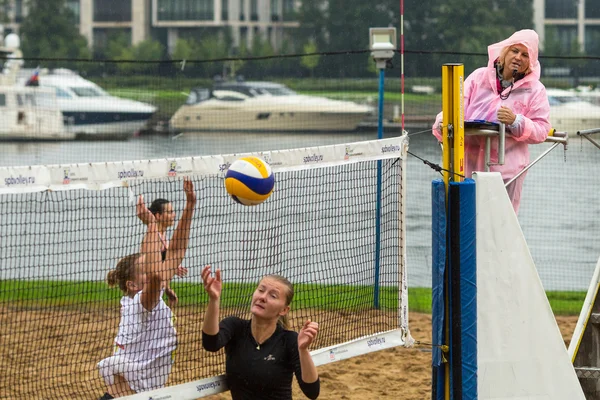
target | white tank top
[{"x": 145, "y": 335}]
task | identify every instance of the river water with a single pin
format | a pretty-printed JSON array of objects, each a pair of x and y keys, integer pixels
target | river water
[{"x": 560, "y": 211}]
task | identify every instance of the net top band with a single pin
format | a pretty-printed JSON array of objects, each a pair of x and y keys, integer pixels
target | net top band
[{"x": 99, "y": 176}]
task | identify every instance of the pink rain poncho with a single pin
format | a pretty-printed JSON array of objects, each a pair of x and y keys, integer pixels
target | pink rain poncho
[{"x": 482, "y": 101}]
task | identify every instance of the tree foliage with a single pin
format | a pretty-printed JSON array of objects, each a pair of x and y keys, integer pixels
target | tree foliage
[
  {"x": 147, "y": 50},
  {"x": 49, "y": 31},
  {"x": 429, "y": 26},
  {"x": 310, "y": 62}
]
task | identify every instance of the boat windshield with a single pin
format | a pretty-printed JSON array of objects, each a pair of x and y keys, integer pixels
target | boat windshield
[
  {"x": 279, "y": 91},
  {"x": 87, "y": 91}
]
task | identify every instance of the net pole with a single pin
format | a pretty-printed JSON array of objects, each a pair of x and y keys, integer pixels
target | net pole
[
  {"x": 402, "y": 63},
  {"x": 453, "y": 164},
  {"x": 378, "y": 205}
]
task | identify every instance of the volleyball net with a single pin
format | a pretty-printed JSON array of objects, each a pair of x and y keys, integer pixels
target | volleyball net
[{"x": 334, "y": 226}]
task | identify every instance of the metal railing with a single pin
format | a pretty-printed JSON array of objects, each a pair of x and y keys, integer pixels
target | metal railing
[{"x": 491, "y": 130}]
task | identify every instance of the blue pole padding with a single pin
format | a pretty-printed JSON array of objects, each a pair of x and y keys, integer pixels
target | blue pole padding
[
  {"x": 438, "y": 248},
  {"x": 380, "y": 104},
  {"x": 378, "y": 204},
  {"x": 463, "y": 289}
]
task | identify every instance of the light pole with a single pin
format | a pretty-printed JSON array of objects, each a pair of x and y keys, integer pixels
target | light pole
[{"x": 382, "y": 43}]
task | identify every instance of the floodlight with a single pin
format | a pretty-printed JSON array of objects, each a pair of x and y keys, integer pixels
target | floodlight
[{"x": 382, "y": 43}]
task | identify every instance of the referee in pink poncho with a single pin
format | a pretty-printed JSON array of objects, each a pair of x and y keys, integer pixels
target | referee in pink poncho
[{"x": 508, "y": 90}]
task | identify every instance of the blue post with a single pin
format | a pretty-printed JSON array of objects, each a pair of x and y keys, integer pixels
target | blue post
[
  {"x": 380, "y": 106},
  {"x": 378, "y": 205}
]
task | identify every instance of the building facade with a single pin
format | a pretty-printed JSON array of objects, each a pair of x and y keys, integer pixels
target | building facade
[
  {"x": 166, "y": 20},
  {"x": 572, "y": 22}
]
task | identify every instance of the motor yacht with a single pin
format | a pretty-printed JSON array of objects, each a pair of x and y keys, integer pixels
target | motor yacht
[
  {"x": 90, "y": 112},
  {"x": 571, "y": 113},
  {"x": 264, "y": 106},
  {"x": 26, "y": 112}
]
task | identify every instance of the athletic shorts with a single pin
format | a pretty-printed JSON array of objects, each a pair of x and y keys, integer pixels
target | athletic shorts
[{"x": 140, "y": 376}]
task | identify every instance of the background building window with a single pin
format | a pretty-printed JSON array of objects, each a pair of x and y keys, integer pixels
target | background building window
[
  {"x": 592, "y": 9},
  {"x": 592, "y": 40},
  {"x": 561, "y": 9},
  {"x": 275, "y": 10},
  {"x": 73, "y": 5},
  {"x": 561, "y": 39},
  {"x": 18, "y": 10},
  {"x": 288, "y": 12},
  {"x": 242, "y": 11},
  {"x": 185, "y": 10},
  {"x": 224, "y": 10},
  {"x": 253, "y": 10},
  {"x": 112, "y": 10}
]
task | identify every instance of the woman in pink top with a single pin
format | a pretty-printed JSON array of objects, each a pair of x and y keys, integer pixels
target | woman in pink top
[{"x": 508, "y": 90}]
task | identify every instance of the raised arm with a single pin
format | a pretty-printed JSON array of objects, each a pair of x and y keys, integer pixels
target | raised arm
[
  {"x": 213, "y": 286},
  {"x": 150, "y": 258},
  {"x": 305, "y": 337},
  {"x": 308, "y": 377},
  {"x": 181, "y": 236}
]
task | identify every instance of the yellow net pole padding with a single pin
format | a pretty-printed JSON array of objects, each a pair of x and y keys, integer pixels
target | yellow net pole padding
[
  {"x": 446, "y": 120},
  {"x": 453, "y": 140},
  {"x": 458, "y": 145}
]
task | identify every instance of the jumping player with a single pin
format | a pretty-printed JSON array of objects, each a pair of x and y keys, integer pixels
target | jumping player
[{"x": 146, "y": 338}]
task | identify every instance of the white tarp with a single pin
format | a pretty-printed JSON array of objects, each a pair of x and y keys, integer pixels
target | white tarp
[{"x": 521, "y": 353}]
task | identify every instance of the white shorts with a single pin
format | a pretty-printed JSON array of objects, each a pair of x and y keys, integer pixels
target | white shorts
[{"x": 140, "y": 376}]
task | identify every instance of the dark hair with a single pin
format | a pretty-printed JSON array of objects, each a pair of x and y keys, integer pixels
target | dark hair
[
  {"x": 125, "y": 271},
  {"x": 158, "y": 206},
  {"x": 283, "y": 320}
]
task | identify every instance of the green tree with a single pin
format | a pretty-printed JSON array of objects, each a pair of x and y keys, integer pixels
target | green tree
[
  {"x": 4, "y": 4},
  {"x": 472, "y": 25},
  {"x": 212, "y": 47},
  {"x": 310, "y": 62},
  {"x": 117, "y": 41},
  {"x": 48, "y": 32},
  {"x": 147, "y": 50},
  {"x": 429, "y": 26},
  {"x": 184, "y": 49},
  {"x": 339, "y": 25}
]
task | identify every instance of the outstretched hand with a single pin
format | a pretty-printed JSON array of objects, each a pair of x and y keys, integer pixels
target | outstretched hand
[
  {"x": 212, "y": 284},
  {"x": 188, "y": 189},
  {"x": 143, "y": 212},
  {"x": 307, "y": 334},
  {"x": 181, "y": 271}
]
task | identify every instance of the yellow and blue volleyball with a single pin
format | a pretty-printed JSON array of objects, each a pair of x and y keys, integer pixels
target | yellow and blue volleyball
[{"x": 249, "y": 181}]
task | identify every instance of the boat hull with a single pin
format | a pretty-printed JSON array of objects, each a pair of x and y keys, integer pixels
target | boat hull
[
  {"x": 190, "y": 118},
  {"x": 94, "y": 124}
]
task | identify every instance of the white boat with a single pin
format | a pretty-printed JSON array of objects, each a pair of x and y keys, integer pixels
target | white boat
[
  {"x": 26, "y": 112},
  {"x": 90, "y": 112},
  {"x": 587, "y": 93},
  {"x": 264, "y": 106},
  {"x": 571, "y": 113}
]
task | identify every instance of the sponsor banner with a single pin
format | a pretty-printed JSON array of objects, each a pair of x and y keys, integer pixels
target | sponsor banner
[
  {"x": 186, "y": 391},
  {"x": 24, "y": 179},
  {"x": 358, "y": 347},
  {"x": 74, "y": 176},
  {"x": 98, "y": 176}
]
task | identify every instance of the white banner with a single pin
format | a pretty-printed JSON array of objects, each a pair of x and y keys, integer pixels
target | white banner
[{"x": 98, "y": 176}]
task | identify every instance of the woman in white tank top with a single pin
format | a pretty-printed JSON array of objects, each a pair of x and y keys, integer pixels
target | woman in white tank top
[{"x": 146, "y": 339}]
